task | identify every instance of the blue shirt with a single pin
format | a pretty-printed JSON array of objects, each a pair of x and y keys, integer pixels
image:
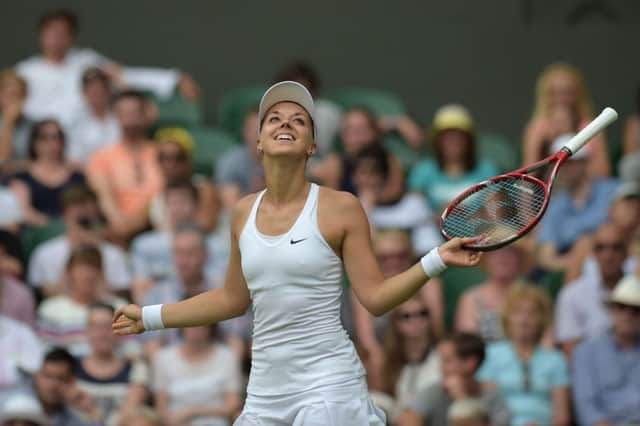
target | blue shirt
[
  {"x": 547, "y": 369},
  {"x": 606, "y": 381},
  {"x": 563, "y": 222},
  {"x": 439, "y": 188}
]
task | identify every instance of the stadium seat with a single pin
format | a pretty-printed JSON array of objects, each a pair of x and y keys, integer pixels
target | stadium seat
[
  {"x": 454, "y": 282},
  {"x": 32, "y": 237},
  {"x": 177, "y": 111},
  {"x": 210, "y": 144},
  {"x": 377, "y": 101},
  {"x": 234, "y": 105},
  {"x": 497, "y": 148}
]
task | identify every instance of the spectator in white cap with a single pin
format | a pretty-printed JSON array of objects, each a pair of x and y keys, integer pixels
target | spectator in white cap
[
  {"x": 22, "y": 410},
  {"x": 579, "y": 206},
  {"x": 607, "y": 368}
]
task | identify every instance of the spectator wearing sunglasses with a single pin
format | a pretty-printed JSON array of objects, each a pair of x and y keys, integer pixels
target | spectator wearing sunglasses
[
  {"x": 394, "y": 252},
  {"x": 533, "y": 380},
  {"x": 607, "y": 367},
  {"x": 580, "y": 313},
  {"x": 47, "y": 175},
  {"x": 410, "y": 363},
  {"x": 175, "y": 150}
]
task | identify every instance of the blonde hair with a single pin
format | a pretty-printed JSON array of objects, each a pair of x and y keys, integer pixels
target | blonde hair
[
  {"x": 142, "y": 412},
  {"x": 11, "y": 74},
  {"x": 394, "y": 356},
  {"x": 536, "y": 294},
  {"x": 584, "y": 104},
  {"x": 468, "y": 409}
]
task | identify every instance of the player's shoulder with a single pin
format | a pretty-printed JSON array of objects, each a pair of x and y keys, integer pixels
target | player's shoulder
[
  {"x": 241, "y": 210},
  {"x": 244, "y": 204},
  {"x": 338, "y": 200}
]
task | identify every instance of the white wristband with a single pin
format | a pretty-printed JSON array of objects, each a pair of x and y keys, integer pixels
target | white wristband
[
  {"x": 152, "y": 317},
  {"x": 432, "y": 263}
]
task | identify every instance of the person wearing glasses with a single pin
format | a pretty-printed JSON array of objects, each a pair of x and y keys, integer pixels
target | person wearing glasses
[
  {"x": 410, "y": 364},
  {"x": 47, "y": 175},
  {"x": 579, "y": 312},
  {"x": 533, "y": 380},
  {"x": 175, "y": 158}
]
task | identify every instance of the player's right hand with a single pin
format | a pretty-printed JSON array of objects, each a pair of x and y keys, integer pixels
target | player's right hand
[{"x": 128, "y": 320}]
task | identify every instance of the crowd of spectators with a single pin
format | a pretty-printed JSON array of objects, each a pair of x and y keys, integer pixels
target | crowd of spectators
[{"x": 100, "y": 207}]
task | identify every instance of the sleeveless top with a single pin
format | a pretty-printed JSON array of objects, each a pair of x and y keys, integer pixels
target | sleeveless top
[
  {"x": 48, "y": 199},
  {"x": 489, "y": 322},
  {"x": 294, "y": 280}
]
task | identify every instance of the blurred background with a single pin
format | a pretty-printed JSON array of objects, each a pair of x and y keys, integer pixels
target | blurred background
[{"x": 128, "y": 134}]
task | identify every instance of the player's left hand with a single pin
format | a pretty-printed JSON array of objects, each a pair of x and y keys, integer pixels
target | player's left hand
[{"x": 453, "y": 253}]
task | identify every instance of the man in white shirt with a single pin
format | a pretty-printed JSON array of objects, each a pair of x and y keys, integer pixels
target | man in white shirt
[
  {"x": 54, "y": 76},
  {"x": 580, "y": 310},
  {"x": 21, "y": 353},
  {"x": 95, "y": 125},
  {"x": 83, "y": 226}
]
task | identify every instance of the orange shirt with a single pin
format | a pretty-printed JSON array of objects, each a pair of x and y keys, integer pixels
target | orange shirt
[{"x": 133, "y": 175}]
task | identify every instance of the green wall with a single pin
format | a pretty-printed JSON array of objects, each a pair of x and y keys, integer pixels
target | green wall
[{"x": 485, "y": 54}]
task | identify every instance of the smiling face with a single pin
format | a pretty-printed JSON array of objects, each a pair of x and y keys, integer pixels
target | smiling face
[{"x": 287, "y": 130}]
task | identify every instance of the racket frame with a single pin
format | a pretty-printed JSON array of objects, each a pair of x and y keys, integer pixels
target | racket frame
[{"x": 522, "y": 173}]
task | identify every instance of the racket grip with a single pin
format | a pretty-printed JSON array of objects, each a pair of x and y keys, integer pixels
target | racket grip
[{"x": 606, "y": 117}]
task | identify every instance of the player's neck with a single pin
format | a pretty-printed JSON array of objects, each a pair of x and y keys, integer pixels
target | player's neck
[
  {"x": 284, "y": 179},
  {"x": 523, "y": 347}
]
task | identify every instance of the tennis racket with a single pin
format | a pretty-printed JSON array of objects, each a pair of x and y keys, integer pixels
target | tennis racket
[{"x": 502, "y": 209}]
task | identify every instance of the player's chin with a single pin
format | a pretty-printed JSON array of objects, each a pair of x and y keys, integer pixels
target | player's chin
[{"x": 284, "y": 150}]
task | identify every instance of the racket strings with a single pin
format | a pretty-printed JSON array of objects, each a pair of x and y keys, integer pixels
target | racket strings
[{"x": 497, "y": 212}]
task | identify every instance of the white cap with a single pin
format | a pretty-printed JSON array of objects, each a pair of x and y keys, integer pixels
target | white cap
[
  {"x": 562, "y": 140},
  {"x": 627, "y": 190},
  {"x": 23, "y": 407},
  {"x": 287, "y": 91},
  {"x": 626, "y": 292}
]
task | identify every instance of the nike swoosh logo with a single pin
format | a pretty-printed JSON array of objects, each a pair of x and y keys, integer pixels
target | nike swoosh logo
[{"x": 297, "y": 241}]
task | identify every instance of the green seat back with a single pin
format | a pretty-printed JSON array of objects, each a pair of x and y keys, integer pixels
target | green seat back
[
  {"x": 454, "y": 282},
  {"x": 498, "y": 149},
  {"x": 210, "y": 144},
  {"x": 177, "y": 111},
  {"x": 377, "y": 101},
  {"x": 32, "y": 237},
  {"x": 234, "y": 105}
]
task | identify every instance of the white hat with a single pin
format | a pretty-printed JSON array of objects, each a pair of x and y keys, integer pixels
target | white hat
[
  {"x": 23, "y": 407},
  {"x": 626, "y": 190},
  {"x": 287, "y": 91},
  {"x": 561, "y": 141},
  {"x": 629, "y": 167},
  {"x": 626, "y": 292}
]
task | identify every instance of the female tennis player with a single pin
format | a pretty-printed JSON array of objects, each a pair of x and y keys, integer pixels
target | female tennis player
[{"x": 288, "y": 247}]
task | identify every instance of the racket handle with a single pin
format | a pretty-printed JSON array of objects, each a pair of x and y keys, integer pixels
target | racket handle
[{"x": 606, "y": 117}]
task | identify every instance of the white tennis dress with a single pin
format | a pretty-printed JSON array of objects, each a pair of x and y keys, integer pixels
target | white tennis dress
[{"x": 305, "y": 370}]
